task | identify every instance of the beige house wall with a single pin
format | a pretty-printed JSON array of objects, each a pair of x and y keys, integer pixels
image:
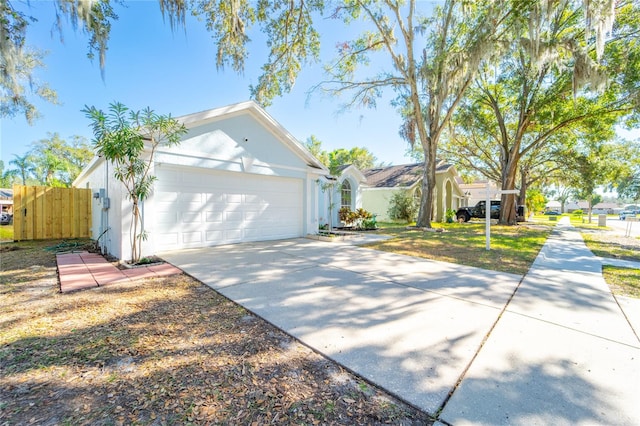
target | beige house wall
[
  {"x": 376, "y": 201},
  {"x": 448, "y": 195}
]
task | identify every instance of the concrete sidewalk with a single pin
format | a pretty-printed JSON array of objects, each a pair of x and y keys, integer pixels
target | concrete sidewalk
[{"x": 562, "y": 353}]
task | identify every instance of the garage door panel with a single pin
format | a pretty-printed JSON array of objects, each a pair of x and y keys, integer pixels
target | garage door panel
[
  {"x": 168, "y": 217},
  {"x": 169, "y": 239},
  {"x": 233, "y": 198},
  {"x": 213, "y": 217},
  {"x": 214, "y": 198},
  {"x": 252, "y": 233},
  {"x": 192, "y": 237},
  {"x": 251, "y": 216},
  {"x": 232, "y": 235},
  {"x": 166, "y": 197},
  {"x": 209, "y": 208},
  {"x": 191, "y": 197},
  {"x": 214, "y": 236},
  {"x": 191, "y": 217},
  {"x": 257, "y": 199},
  {"x": 233, "y": 217}
]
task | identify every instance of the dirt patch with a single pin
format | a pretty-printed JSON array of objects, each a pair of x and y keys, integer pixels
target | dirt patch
[
  {"x": 162, "y": 351},
  {"x": 608, "y": 243}
]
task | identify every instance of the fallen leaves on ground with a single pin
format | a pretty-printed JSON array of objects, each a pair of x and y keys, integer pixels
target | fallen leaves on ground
[{"x": 161, "y": 351}]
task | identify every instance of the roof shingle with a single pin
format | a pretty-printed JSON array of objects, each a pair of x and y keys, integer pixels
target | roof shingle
[{"x": 402, "y": 176}]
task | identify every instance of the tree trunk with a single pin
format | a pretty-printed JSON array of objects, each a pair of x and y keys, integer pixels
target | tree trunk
[
  {"x": 522, "y": 197},
  {"x": 428, "y": 185},
  {"x": 507, "y": 201},
  {"x": 426, "y": 202},
  {"x": 135, "y": 255}
]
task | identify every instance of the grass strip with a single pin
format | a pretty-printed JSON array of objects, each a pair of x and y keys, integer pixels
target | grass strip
[{"x": 513, "y": 248}]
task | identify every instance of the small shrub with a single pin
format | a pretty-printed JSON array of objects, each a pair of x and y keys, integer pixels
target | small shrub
[
  {"x": 403, "y": 206},
  {"x": 577, "y": 212},
  {"x": 359, "y": 219},
  {"x": 370, "y": 223},
  {"x": 345, "y": 215},
  {"x": 449, "y": 215}
]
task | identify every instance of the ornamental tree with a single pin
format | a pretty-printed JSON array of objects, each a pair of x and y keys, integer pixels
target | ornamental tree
[{"x": 129, "y": 140}]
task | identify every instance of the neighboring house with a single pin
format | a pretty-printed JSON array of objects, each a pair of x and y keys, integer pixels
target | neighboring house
[
  {"x": 372, "y": 189},
  {"x": 606, "y": 208},
  {"x": 571, "y": 206},
  {"x": 6, "y": 200},
  {"x": 600, "y": 208},
  {"x": 237, "y": 176},
  {"x": 383, "y": 182},
  {"x": 553, "y": 205}
]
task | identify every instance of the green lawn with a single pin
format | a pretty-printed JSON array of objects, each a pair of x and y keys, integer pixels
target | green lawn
[
  {"x": 6, "y": 232},
  {"x": 513, "y": 248},
  {"x": 623, "y": 281},
  {"x": 605, "y": 247}
]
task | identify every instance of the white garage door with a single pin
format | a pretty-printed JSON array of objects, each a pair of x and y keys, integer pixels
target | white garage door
[{"x": 199, "y": 207}]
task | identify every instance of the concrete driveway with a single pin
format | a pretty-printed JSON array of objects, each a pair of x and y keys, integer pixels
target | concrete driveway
[{"x": 409, "y": 325}]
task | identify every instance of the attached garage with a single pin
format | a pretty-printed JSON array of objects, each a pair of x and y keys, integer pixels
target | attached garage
[
  {"x": 202, "y": 207},
  {"x": 236, "y": 176}
]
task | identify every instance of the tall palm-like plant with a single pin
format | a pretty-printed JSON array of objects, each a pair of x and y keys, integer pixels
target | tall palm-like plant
[
  {"x": 129, "y": 140},
  {"x": 23, "y": 164}
]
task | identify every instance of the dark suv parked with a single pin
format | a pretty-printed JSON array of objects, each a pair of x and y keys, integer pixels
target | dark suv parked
[{"x": 464, "y": 214}]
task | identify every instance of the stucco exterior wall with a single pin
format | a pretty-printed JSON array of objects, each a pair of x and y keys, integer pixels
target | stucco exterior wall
[
  {"x": 376, "y": 201},
  {"x": 448, "y": 196},
  {"x": 239, "y": 144},
  {"x": 107, "y": 225}
]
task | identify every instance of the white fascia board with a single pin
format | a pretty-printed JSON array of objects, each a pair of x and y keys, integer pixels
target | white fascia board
[
  {"x": 203, "y": 117},
  {"x": 356, "y": 172},
  {"x": 95, "y": 162}
]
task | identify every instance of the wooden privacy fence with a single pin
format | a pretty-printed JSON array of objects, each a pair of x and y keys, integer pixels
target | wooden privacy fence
[{"x": 42, "y": 213}]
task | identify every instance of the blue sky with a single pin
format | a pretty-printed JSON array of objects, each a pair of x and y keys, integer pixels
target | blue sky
[{"x": 174, "y": 72}]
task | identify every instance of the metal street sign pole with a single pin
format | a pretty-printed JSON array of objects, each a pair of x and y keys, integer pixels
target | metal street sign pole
[
  {"x": 487, "y": 214},
  {"x": 487, "y": 208}
]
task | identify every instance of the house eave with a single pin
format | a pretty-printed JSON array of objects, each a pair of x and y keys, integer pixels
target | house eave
[{"x": 95, "y": 162}]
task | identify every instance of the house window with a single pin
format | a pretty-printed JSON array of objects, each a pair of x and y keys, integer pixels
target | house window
[{"x": 345, "y": 194}]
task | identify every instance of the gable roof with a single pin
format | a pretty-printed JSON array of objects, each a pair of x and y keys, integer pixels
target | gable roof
[
  {"x": 353, "y": 171},
  {"x": 249, "y": 107},
  {"x": 256, "y": 111},
  {"x": 401, "y": 176}
]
